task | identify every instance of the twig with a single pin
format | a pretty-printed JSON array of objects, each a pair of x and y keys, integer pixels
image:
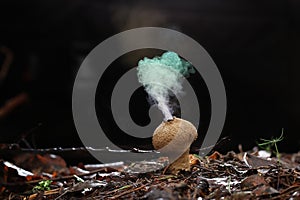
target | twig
[
  {"x": 166, "y": 177},
  {"x": 45, "y": 193},
  {"x": 193, "y": 173},
  {"x": 245, "y": 160},
  {"x": 118, "y": 189},
  {"x": 165, "y": 169},
  {"x": 195, "y": 193},
  {"x": 128, "y": 191}
]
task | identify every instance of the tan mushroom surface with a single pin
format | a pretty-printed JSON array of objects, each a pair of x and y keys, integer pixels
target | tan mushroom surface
[{"x": 175, "y": 137}]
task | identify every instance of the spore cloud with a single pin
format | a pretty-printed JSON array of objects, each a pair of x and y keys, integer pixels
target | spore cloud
[{"x": 161, "y": 76}]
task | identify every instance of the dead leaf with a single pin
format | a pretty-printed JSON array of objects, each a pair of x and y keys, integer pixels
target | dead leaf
[
  {"x": 255, "y": 162},
  {"x": 252, "y": 181},
  {"x": 265, "y": 190},
  {"x": 215, "y": 156}
]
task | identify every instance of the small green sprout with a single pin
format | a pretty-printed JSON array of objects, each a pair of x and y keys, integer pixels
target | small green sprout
[
  {"x": 42, "y": 186},
  {"x": 269, "y": 144}
]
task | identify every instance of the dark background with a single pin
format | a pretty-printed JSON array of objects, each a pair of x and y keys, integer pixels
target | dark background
[{"x": 255, "y": 44}]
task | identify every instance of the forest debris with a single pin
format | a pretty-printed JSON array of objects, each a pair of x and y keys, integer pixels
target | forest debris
[
  {"x": 265, "y": 190},
  {"x": 226, "y": 177},
  {"x": 242, "y": 195},
  {"x": 255, "y": 162},
  {"x": 48, "y": 163},
  {"x": 202, "y": 188},
  {"x": 82, "y": 186},
  {"x": 263, "y": 154},
  {"x": 115, "y": 165},
  {"x": 158, "y": 194},
  {"x": 252, "y": 181},
  {"x": 225, "y": 181},
  {"x": 20, "y": 171},
  {"x": 218, "y": 193},
  {"x": 145, "y": 166},
  {"x": 164, "y": 177},
  {"x": 215, "y": 156},
  {"x": 41, "y": 194},
  {"x": 78, "y": 170},
  {"x": 194, "y": 159}
]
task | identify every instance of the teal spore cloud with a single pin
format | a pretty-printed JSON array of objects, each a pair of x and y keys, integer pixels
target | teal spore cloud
[
  {"x": 169, "y": 60},
  {"x": 163, "y": 74}
]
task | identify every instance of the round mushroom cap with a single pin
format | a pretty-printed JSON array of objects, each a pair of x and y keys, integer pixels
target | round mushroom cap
[{"x": 178, "y": 133}]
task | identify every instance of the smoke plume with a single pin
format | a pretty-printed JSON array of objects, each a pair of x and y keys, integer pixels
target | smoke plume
[{"x": 160, "y": 76}]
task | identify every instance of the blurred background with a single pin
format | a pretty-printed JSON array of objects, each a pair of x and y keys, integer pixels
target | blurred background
[{"x": 255, "y": 44}]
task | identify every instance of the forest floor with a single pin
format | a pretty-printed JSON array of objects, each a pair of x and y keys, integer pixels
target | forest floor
[{"x": 244, "y": 175}]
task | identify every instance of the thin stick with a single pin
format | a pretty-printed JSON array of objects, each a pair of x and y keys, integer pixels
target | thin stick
[{"x": 128, "y": 191}]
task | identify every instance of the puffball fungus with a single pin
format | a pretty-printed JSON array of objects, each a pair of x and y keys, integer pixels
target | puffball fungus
[{"x": 174, "y": 136}]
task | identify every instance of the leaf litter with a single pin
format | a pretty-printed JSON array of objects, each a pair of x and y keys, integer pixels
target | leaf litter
[{"x": 245, "y": 175}]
